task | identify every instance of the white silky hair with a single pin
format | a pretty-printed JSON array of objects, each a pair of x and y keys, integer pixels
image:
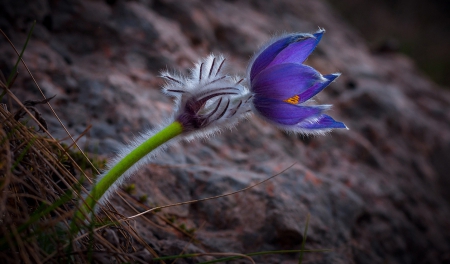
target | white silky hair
[
  {"x": 294, "y": 129},
  {"x": 206, "y": 80},
  {"x": 298, "y": 129},
  {"x": 206, "y": 77},
  {"x": 124, "y": 151}
]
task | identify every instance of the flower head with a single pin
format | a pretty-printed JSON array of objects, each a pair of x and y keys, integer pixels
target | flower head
[
  {"x": 280, "y": 91},
  {"x": 208, "y": 99},
  {"x": 282, "y": 85}
]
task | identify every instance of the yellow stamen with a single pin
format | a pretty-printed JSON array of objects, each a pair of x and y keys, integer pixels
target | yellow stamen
[{"x": 293, "y": 100}]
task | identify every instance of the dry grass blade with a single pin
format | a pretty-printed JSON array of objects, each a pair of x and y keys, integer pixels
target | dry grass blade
[
  {"x": 45, "y": 98},
  {"x": 39, "y": 191},
  {"x": 38, "y": 196},
  {"x": 210, "y": 198},
  {"x": 229, "y": 255},
  {"x": 28, "y": 184}
]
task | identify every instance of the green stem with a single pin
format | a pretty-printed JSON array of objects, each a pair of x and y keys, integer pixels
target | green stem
[{"x": 99, "y": 189}]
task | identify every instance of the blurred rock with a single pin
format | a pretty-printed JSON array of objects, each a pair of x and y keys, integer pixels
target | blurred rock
[{"x": 377, "y": 193}]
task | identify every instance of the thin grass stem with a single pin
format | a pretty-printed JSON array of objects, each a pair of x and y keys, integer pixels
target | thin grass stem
[
  {"x": 305, "y": 233},
  {"x": 13, "y": 73}
]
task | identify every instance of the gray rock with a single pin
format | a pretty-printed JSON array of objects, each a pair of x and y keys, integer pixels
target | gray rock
[{"x": 377, "y": 193}]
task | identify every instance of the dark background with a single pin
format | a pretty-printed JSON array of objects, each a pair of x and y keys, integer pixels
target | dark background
[
  {"x": 377, "y": 193},
  {"x": 420, "y": 29}
]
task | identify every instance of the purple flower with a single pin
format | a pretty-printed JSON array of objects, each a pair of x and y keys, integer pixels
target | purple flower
[{"x": 282, "y": 86}]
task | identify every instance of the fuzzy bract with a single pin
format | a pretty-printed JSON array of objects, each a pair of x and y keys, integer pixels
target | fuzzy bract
[
  {"x": 205, "y": 101},
  {"x": 282, "y": 85},
  {"x": 208, "y": 99}
]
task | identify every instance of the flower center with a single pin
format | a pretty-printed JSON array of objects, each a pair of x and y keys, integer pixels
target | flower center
[{"x": 293, "y": 100}]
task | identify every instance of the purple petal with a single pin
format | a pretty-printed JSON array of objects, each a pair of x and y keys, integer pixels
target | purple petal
[
  {"x": 285, "y": 80},
  {"x": 323, "y": 122},
  {"x": 302, "y": 46},
  {"x": 297, "y": 52},
  {"x": 316, "y": 88},
  {"x": 284, "y": 113}
]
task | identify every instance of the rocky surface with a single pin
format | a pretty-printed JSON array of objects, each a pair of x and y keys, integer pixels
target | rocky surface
[{"x": 377, "y": 193}]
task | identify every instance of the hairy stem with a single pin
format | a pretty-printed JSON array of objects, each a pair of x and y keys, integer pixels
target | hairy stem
[{"x": 114, "y": 173}]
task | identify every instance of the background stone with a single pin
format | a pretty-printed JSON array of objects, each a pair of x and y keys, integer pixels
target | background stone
[{"x": 377, "y": 193}]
